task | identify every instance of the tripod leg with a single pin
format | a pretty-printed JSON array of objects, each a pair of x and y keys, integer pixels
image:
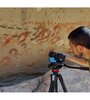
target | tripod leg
[
  {"x": 51, "y": 89},
  {"x": 56, "y": 85},
  {"x": 62, "y": 83}
]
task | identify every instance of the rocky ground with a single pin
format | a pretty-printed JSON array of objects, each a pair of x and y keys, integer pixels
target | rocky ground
[{"x": 75, "y": 80}]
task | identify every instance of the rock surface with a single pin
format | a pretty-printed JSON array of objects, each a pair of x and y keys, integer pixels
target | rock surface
[{"x": 75, "y": 80}]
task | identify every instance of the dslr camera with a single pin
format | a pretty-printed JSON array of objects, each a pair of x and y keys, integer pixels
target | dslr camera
[{"x": 56, "y": 60}]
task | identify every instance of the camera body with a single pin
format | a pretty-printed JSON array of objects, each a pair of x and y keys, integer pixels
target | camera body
[{"x": 56, "y": 60}]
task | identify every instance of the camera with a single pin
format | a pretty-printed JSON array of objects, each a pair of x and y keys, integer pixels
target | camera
[{"x": 56, "y": 59}]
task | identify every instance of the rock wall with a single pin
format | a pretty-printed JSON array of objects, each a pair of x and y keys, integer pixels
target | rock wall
[{"x": 28, "y": 34}]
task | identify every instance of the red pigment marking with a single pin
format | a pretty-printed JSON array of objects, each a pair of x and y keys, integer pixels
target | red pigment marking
[
  {"x": 58, "y": 26},
  {"x": 55, "y": 40},
  {"x": 30, "y": 22},
  {"x": 58, "y": 17},
  {"x": 41, "y": 38},
  {"x": 13, "y": 51},
  {"x": 50, "y": 22},
  {"x": 24, "y": 45},
  {"x": 52, "y": 34},
  {"x": 6, "y": 60},
  {"x": 41, "y": 34},
  {"x": 53, "y": 37},
  {"x": 44, "y": 33},
  {"x": 22, "y": 37},
  {"x": 41, "y": 41},
  {"x": 37, "y": 23},
  {"x": 7, "y": 40},
  {"x": 29, "y": 65}
]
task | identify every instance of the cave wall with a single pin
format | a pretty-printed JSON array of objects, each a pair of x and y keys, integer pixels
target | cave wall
[{"x": 28, "y": 34}]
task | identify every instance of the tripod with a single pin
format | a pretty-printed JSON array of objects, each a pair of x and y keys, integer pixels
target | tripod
[
  {"x": 54, "y": 78},
  {"x": 55, "y": 75},
  {"x": 57, "y": 62}
]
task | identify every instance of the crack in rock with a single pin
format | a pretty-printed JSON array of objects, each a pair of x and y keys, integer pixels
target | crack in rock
[{"x": 38, "y": 85}]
